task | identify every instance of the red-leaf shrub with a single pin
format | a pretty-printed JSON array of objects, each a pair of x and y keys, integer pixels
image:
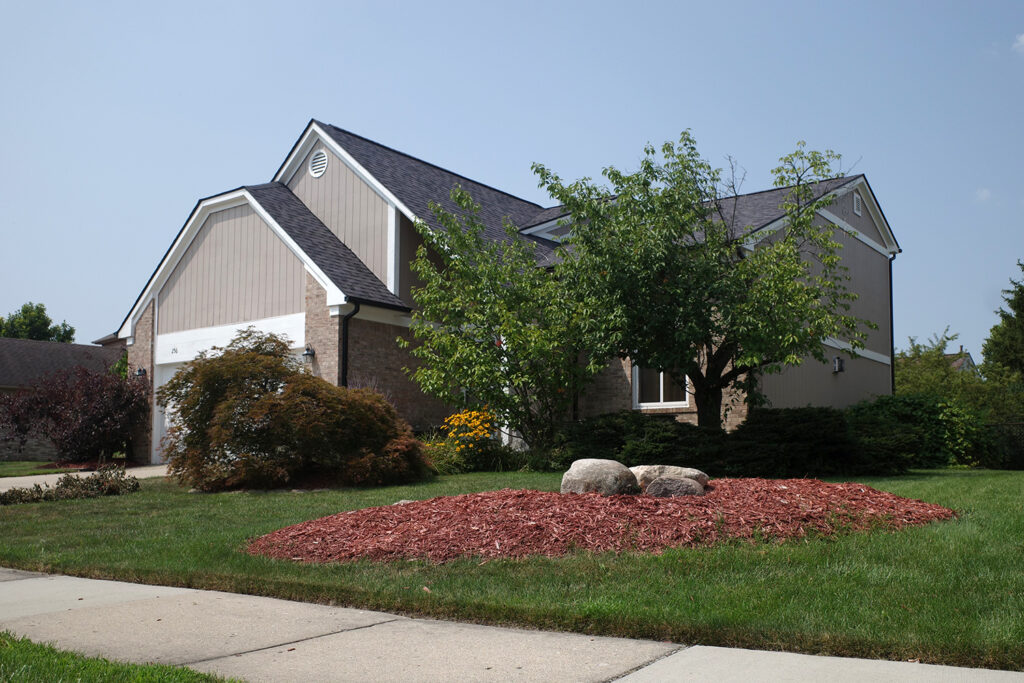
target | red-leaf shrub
[
  {"x": 248, "y": 416},
  {"x": 87, "y": 415}
]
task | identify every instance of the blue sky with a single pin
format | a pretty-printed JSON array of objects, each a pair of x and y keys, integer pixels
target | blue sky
[{"x": 118, "y": 117}]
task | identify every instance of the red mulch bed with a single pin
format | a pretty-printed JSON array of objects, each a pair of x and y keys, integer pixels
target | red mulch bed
[{"x": 519, "y": 523}]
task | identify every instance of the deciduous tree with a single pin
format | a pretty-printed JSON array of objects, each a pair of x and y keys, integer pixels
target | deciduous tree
[
  {"x": 32, "y": 322},
  {"x": 665, "y": 277}
]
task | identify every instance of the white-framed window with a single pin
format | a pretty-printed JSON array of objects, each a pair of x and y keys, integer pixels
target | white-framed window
[
  {"x": 857, "y": 208},
  {"x": 653, "y": 389}
]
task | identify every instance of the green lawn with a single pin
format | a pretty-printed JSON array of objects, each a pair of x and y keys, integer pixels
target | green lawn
[
  {"x": 27, "y": 468},
  {"x": 950, "y": 592},
  {"x": 26, "y": 662}
]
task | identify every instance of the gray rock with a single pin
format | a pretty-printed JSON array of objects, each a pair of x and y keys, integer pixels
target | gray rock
[
  {"x": 671, "y": 487},
  {"x": 607, "y": 477},
  {"x": 645, "y": 474}
]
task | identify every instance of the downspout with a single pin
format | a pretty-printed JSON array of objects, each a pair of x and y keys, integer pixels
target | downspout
[
  {"x": 343, "y": 380},
  {"x": 892, "y": 333}
]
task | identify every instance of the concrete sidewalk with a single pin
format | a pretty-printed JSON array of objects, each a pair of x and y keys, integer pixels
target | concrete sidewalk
[
  {"x": 144, "y": 472},
  {"x": 264, "y": 639}
]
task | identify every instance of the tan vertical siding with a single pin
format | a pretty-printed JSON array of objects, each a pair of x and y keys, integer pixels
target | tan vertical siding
[
  {"x": 869, "y": 278},
  {"x": 814, "y": 384},
  {"x": 349, "y": 207},
  {"x": 236, "y": 269}
]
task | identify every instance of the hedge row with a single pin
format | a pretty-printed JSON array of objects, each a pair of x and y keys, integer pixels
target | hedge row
[{"x": 887, "y": 436}]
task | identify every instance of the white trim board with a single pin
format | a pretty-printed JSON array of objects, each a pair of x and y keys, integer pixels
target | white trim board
[
  {"x": 188, "y": 233},
  {"x": 178, "y": 347},
  {"x": 839, "y": 344},
  {"x": 314, "y": 134}
]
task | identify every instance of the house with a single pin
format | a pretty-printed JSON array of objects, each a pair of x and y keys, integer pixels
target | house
[
  {"x": 321, "y": 253},
  {"x": 24, "y": 363},
  {"x": 962, "y": 361}
]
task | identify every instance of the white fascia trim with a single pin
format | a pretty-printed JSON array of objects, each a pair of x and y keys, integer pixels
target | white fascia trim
[
  {"x": 192, "y": 227},
  {"x": 178, "y": 347},
  {"x": 177, "y": 250},
  {"x": 544, "y": 228},
  {"x": 309, "y": 138},
  {"x": 394, "y": 249},
  {"x": 863, "y": 353},
  {"x": 374, "y": 314},
  {"x": 853, "y": 232}
]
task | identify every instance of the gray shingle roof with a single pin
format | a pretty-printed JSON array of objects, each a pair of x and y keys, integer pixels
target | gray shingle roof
[
  {"x": 24, "y": 362},
  {"x": 330, "y": 254},
  {"x": 416, "y": 183}
]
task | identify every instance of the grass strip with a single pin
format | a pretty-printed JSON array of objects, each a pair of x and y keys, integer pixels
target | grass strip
[
  {"x": 949, "y": 593},
  {"x": 23, "y": 661}
]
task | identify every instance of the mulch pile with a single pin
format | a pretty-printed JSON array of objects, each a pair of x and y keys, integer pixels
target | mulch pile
[{"x": 519, "y": 523}]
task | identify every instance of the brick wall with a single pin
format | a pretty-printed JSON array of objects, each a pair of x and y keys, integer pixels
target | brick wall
[
  {"x": 323, "y": 332},
  {"x": 140, "y": 355},
  {"x": 376, "y": 362}
]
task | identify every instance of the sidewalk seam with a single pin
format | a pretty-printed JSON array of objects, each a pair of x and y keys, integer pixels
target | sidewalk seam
[
  {"x": 646, "y": 664},
  {"x": 291, "y": 642}
]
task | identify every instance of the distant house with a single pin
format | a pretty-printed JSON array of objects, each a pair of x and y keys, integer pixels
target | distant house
[
  {"x": 962, "y": 361},
  {"x": 24, "y": 363},
  {"x": 321, "y": 253}
]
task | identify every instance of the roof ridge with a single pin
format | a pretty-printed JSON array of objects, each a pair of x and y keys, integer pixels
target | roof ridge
[
  {"x": 427, "y": 163},
  {"x": 847, "y": 178}
]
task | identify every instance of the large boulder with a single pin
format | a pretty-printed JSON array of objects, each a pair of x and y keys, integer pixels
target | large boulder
[
  {"x": 607, "y": 477},
  {"x": 671, "y": 487},
  {"x": 645, "y": 474}
]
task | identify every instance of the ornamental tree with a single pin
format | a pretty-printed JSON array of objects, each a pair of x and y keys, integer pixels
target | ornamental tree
[
  {"x": 494, "y": 329},
  {"x": 662, "y": 275},
  {"x": 32, "y": 322}
]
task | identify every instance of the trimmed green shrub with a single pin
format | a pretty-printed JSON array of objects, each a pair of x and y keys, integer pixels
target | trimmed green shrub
[
  {"x": 107, "y": 481},
  {"x": 246, "y": 416}
]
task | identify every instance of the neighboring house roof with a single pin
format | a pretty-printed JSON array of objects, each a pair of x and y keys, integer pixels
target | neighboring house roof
[
  {"x": 962, "y": 361},
  {"x": 25, "y": 362},
  {"x": 323, "y": 247}
]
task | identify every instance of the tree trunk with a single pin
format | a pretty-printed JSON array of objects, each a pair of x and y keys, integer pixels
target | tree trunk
[{"x": 709, "y": 406}]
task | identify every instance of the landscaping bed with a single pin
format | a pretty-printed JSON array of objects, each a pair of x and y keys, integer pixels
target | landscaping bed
[{"x": 510, "y": 523}]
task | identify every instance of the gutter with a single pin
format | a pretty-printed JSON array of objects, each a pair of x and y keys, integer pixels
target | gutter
[{"x": 343, "y": 379}]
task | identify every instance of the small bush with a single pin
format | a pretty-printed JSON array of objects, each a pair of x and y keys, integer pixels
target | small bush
[
  {"x": 107, "y": 481},
  {"x": 246, "y": 416}
]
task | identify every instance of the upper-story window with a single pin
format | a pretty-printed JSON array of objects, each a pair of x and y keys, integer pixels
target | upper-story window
[{"x": 653, "y": 389}]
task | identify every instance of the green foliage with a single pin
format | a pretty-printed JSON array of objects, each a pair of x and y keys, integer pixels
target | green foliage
[
  {"x": 1005, "y": 343},
  {"x": 107, "y": 481},
  {"x": 493, "y": 328},
  {"x": 663, "y": 276},
  {"x": 467, "y": 442},
  {"x": 247, "y": 416},
  {"x": 32, "y": 322}
]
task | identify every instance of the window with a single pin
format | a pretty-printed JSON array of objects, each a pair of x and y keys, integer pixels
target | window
[
  {"x": 653, "y": 389},
  {"x": 857, "y": 203}
]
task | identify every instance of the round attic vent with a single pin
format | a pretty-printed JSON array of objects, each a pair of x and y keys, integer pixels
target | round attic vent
[{"x": 318, "y": 163}]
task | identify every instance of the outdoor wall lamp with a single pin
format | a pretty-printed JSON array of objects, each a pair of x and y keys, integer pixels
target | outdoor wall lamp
[
  {"x": 308, "y": 354},
  {"x": 838, "y": 365},
  {"x": 141, "y": 372}
]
